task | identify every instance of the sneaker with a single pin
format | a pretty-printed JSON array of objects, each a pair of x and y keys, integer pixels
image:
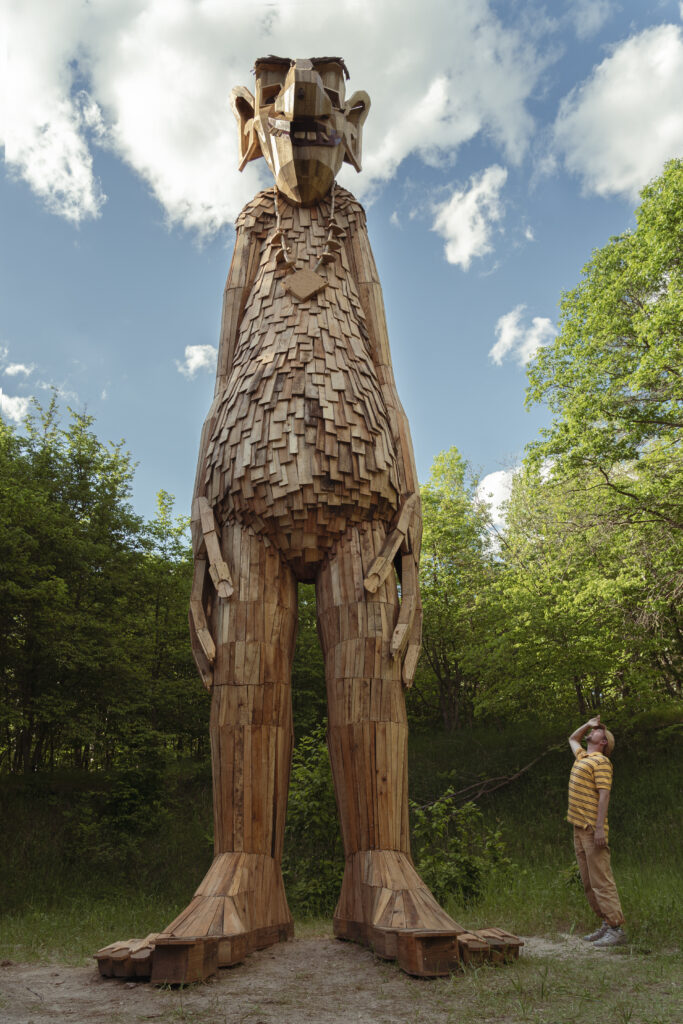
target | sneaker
[
  {"x": 612, "y": 937},
  {"x": 597, "y": 934}
]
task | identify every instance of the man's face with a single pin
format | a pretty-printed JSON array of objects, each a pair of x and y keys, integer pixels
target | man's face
[
  {"x": 301, "y": 123},
  {"x": 598, "y": 737}
]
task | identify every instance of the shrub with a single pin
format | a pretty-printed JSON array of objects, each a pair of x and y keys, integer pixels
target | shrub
[
  {"x": 313, "y": 863},
  {"x": 455, "y": 851},
  {"x": 111, "y": 823}
]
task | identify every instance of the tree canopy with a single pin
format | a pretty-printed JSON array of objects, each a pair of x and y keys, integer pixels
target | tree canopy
[
  {"x": 93, "y": 648},
  {"x": 614, "y": 375},
  {"x": 614, "y": 380},
  {"x": 456, "y": 570}
]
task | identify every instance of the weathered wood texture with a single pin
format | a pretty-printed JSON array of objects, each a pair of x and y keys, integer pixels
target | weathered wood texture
[
  {"x": 181, "y": 963},
  {"x": 305, "y": 473},
  {"x": 131, "y": 958},
  {"x": 301, "y": 447}
]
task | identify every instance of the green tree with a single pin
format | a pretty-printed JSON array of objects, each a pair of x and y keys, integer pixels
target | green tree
[
  {"x": 457, "y": 569},
  {"x": 313, "y": 863},
  {"x": 70, "y": 549},
  {"x": 178, "y": 703},
  {"x": 613, "y": 379},
  {"x": 309, "y": 699},
  {"x": 565, "y": 594},
  {"x": 614, "y": 375}
]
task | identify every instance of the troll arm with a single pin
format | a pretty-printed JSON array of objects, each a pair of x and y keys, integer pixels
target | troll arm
[
  {"x": 211, "y": 572},
  {"x": 402, "y": 546}
]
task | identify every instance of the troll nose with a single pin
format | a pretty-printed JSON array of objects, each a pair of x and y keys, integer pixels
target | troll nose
[{"x": 303, "y": 94}]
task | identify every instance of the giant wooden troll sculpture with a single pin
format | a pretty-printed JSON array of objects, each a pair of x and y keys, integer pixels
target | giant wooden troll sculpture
[{"x": 306, "y": 473}]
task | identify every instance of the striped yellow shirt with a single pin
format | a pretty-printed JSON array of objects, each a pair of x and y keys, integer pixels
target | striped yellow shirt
[{"x": 590, "y": 772}]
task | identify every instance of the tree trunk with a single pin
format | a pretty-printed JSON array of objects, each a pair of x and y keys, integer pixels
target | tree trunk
[{"x": 579, "y": 696}]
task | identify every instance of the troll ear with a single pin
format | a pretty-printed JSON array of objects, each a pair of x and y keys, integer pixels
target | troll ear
[
  {"x": 355, "y": 112},
  {"x": 242, "y": 103}
]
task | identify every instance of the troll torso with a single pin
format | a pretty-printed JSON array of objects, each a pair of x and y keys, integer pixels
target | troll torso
[{"x": 301, "y": 446}]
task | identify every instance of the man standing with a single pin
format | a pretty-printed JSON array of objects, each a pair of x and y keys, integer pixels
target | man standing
[{"x": 590, "y": 783}]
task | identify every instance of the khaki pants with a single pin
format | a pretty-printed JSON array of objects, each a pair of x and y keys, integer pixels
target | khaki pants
[{"x": 596, "y": 875}]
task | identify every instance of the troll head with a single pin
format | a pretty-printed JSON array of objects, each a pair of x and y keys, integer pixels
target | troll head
[{"x": 300, "y": 121}]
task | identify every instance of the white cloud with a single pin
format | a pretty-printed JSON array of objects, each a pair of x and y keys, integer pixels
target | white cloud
[
  {"x": 15, "y": 368},
  {"x": 529, "y": 233},
  {"x": 617, "y": 129},
  {"x": 519, "y": 341},
  {"x": 13, "y": 407},
  {"x": 589, "y": 16},
  {"x": 466, "y": 219},
  {"x": 495, "y": 489},
  {"x": 197, "y": 357},
  {"x": 151, "y": 79},
  {"x": 42, "y": 124}
]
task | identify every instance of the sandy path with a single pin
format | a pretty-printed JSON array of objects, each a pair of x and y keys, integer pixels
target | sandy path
[{"x": 307, "y": 981}]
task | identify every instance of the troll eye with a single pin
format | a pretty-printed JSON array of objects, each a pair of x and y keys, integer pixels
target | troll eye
[
  {"x": 269, "y": 94},
  {"x": 334, "y": 97}
]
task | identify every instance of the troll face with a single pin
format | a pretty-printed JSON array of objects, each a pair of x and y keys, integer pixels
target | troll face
[{"x": 300, "y": 121}]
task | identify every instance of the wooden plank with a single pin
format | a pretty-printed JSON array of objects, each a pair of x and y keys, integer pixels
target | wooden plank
[
  {"x": 183, "y": 963},
  {"x": 504, "y": 945},
  {"x": 382, "y": 783},
  {"x": 473, "y": 949},
  {"x": 428, "y": 955}
]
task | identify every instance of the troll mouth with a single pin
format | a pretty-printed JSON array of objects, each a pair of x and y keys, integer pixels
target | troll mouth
[{"x": 307, "y": 131}]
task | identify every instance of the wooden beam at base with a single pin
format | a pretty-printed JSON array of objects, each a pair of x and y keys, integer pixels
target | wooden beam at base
[
  {"x": 473, "y": 949},
  {"x": 233, "y": 949},
  {"x": 489, "y": 944},
  {"x": 432, "y": 953},
  {"x": 504, "y": 945},
  {"x": 428, "y": 954},
  {"x": 180, "y": 962}
]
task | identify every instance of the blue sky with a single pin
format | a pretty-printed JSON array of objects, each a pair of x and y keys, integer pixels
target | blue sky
[{"x": 504, "y": 143}]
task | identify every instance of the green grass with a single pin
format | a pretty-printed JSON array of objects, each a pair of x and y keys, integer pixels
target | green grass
[
  {"x": 629, "y": 989},
  {"x": 70, "y": 931},
  {"x": 625, "y": 989},
  {"x": 545, "y": 900}
]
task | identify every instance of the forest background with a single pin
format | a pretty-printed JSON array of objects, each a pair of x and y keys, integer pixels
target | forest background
[{"x": 573, "y": 607}]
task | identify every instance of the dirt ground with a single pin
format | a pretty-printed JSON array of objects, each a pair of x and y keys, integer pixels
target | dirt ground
[{"x": 306, "y": 981}]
